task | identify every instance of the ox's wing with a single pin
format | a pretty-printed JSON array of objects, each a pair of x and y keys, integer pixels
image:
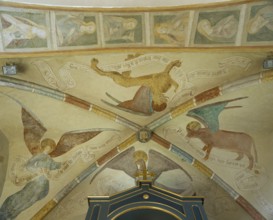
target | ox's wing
[{"x": 209, "y": 114}]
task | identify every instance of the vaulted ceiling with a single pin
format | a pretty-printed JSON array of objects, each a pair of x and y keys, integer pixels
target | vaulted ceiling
[{"x": 182, "y": 88}]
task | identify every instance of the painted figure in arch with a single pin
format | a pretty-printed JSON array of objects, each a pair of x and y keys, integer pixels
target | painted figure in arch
[
  {"x": 223, "y": 31},
  {"x": 173, "y": 30},
  {"x": 70, "y": 28},
  {"x": 263, "y": 18},
  {"x": 213, "y": 137},
  {"x": 119, "y": 29},
  {"x": 18, "y": 29},
  {"x": 151, "y": 94}
]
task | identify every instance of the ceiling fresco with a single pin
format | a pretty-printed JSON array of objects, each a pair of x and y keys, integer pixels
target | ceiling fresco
[{"x": 100, "y": 94}]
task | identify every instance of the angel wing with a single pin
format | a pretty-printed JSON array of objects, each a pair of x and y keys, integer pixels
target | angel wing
[
  {"x": 33, "y": 131},
  {"x": 208, "y": 114},
  {"x": 73, "y": 138}
]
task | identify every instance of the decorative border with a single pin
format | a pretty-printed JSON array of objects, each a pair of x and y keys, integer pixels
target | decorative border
[{"x": 208, "y": 27}]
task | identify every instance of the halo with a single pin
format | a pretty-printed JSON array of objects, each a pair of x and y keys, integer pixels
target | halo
[
  {"x": 48, "y": 142},
  {"x": 194, "y": 126}
]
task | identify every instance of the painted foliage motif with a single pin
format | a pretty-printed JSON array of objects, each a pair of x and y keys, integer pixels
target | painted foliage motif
[
  {"x": 24, "y": 30},
  {"x": 260, "y": 24},
  {"x": 125, "y": 29},
  {"x": 217, "y": 27},
  {"x": 170, "y": 29},
  {"x": 76, "y": 30}
]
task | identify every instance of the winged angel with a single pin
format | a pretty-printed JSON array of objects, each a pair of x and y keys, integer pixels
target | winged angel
[
  {"x": 212, "y": 136},
  {"x": 35, "y": 173}
]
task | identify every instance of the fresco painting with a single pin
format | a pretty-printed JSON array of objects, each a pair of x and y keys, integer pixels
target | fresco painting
[
  {"x": 131, "y": 163},
  {"x": 76, "y": 29},
  {"x": 29, "y": 29},
  {"x": 36, "y": 186},
  {"x": 24, "y": 30},
  {"x": 60, "y": 79},
  {"x": 35, "y": 142},
  {"x": 260, "y": 24},
  {"x": 123, "y": 29},
  {"x": 160, "y": 90},
  {"x": 217, "y": 27},
  {"x": 170, "y": 29},
  {"x": 34, "y": 131},
  {"x": 165, "y": 169},
  {"x": 115, "y": 179},
  {"x": 35, "y": 173},
  {"x": 237, "y": 142},
  {"x": 152, "y": 87}
]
